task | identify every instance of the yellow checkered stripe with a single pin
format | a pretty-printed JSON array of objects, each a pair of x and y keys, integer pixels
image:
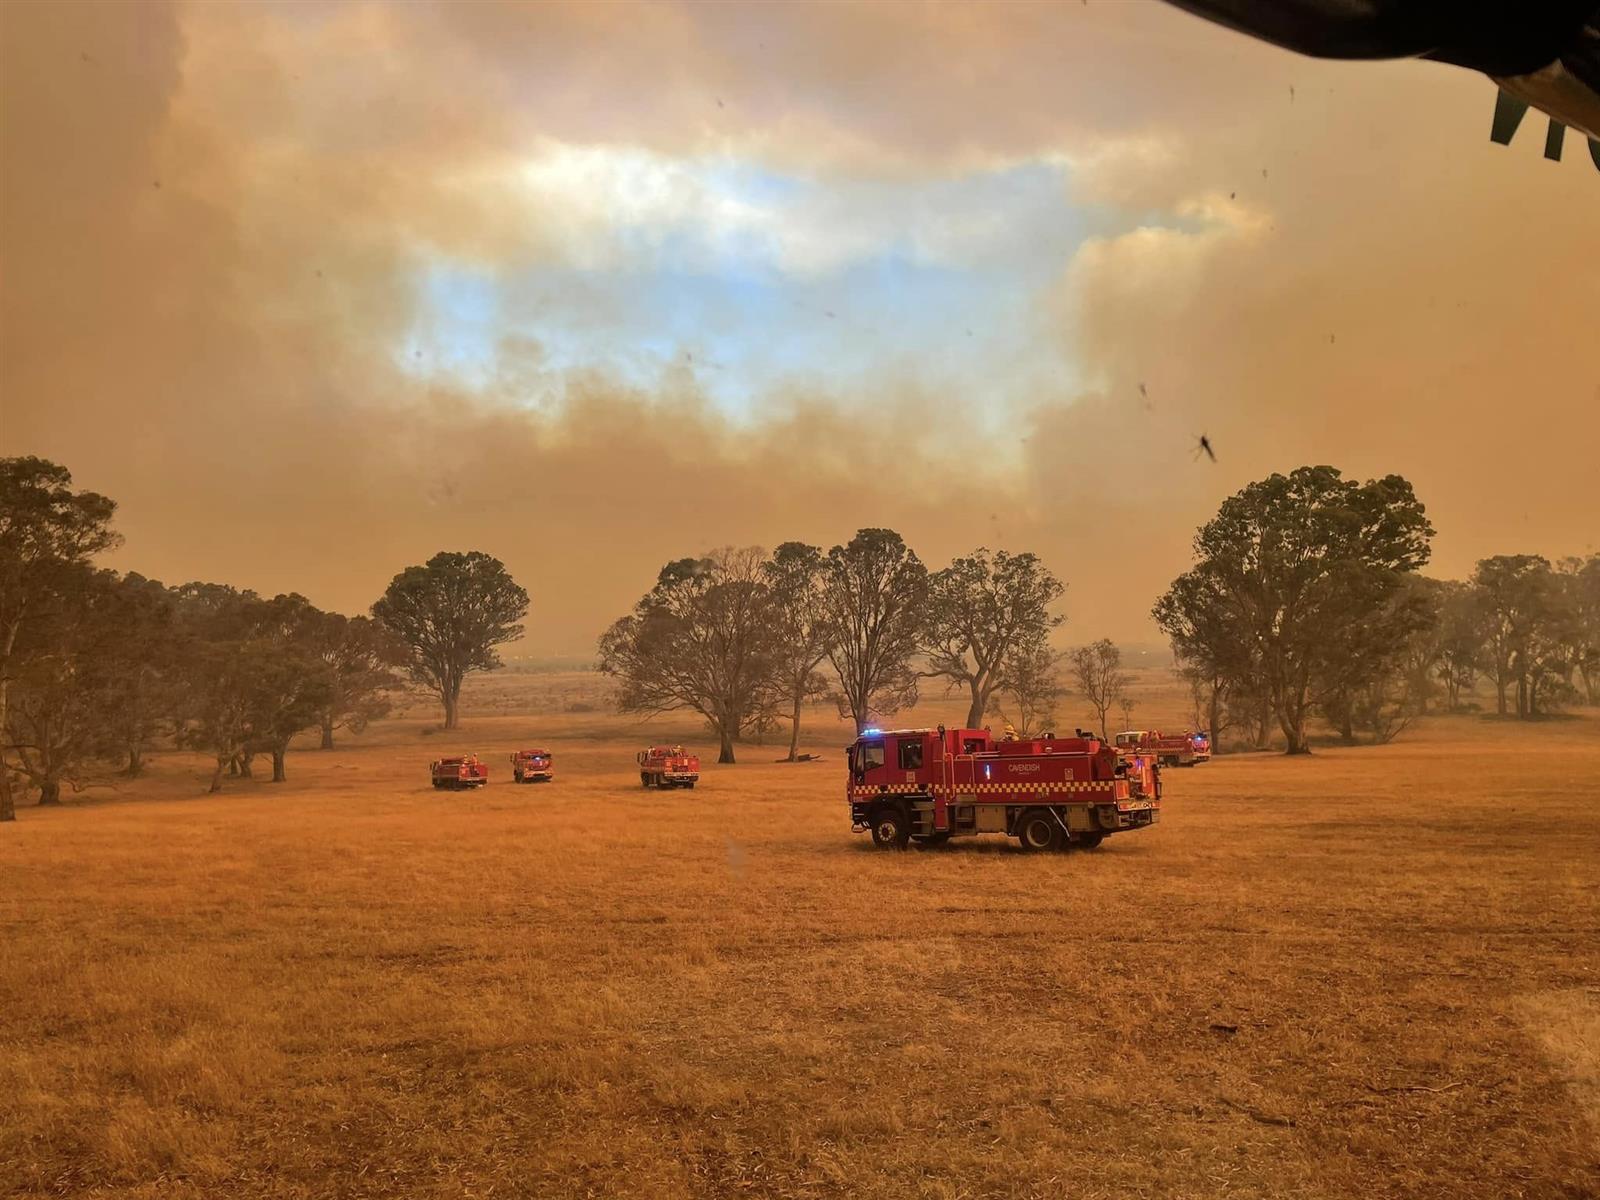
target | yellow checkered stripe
[
  {"x": 1084, "y": 786},
  {"x": 989, "y": 789}
]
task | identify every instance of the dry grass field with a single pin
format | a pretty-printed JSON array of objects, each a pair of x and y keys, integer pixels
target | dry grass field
[{"x": 1372, "y": 973}]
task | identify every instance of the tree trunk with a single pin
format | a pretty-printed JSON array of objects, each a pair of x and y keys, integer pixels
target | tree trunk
[
  {"x": 725, "y": 753},
  {"x": 135, "y": 763},
  {"x": 794, "y": 727},
  {"x": 8, "y": 803},
  {"x": 975, "y": 709},
  {"x": 1347, "y": 727},
  {"x": 327, "y": 731},
  {"x": 279, "y": 753},
  {"x": 452, "y": 704},
  {"x": 245, "y": 759},
  {"x": 1213, "y": 712},
  {"x": 50, "y": 792},
  {"x": 216, "y": 776}
]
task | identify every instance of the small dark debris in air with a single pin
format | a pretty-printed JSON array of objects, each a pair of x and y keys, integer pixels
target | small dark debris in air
[
  {"x": 319, "y": 274},
  {"x": 827, "y": 314},
  {"x": 1263, "y": 172},
  {"x": 155, "y": 183},
  {"x": 1291, "y": 93},
  {"x": 1233, "y": 195},
  {"x": 1332, "y": 339},
  {"x": 720, "y": 104},
  {"x": 1203, "y": 445}
]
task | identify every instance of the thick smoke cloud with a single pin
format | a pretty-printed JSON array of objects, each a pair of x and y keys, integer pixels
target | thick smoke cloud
[{"x": 215, "y": 219}]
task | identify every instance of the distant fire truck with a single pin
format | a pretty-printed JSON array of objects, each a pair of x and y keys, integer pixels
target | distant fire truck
[
  {"x": 668, "y": 767},
  {"x": 532, "y": 766},
  {"x": 462, "y": 771},
  {"x": 1170, "y": 750},
  {"x": 1049, "y": 792}
]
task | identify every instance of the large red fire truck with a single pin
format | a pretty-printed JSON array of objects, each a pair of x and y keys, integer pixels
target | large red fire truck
[
  {"x": 1048, "y": 792},
  {"x": 461, "y": 771},
  {"x": 668, "y": 767},
  {"x": 1169, "y": 749},
  {"x": 532, "y": 766}
]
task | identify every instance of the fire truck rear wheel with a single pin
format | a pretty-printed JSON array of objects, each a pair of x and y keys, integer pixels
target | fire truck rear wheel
[
  {"x": 1038, "y": 830},
  {"x": 890, "y": 830}
]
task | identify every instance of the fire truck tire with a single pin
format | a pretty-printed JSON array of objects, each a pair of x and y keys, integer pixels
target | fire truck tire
[
  {"x": 1038, "y": 829},
  {"x": 890, "y": 829},
  {"x": 644, "y": 779},
  {"x": 690, "y": 786},
  {"x": 1087, "y": 839}
]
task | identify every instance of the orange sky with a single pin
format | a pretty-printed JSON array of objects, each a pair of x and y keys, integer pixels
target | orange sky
[{"x": 315, "y": 291}]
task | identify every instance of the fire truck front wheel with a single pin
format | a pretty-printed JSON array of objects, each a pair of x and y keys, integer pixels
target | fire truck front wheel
[
  {"x": 1039, "y": 830},
  {"x": 890, "y": 829}
]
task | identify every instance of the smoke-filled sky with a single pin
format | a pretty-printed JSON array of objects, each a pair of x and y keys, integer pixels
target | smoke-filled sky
[{"x": 316, "y": 290}]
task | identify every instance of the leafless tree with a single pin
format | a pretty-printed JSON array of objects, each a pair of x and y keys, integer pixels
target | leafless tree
[
  {"x": 1097, "y": 672},
  {"x": 1031, "y": 693}
]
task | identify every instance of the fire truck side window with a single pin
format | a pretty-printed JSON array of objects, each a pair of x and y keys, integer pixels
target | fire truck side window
[
  {"x": 871, "y": 755},
  {"x": 910, "y": 755}
]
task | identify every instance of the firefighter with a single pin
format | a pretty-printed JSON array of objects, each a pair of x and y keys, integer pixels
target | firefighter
[{"x": 1010, "y": 734}]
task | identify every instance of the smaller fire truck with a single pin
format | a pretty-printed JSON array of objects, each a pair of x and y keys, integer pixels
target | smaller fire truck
[
  {"x": 462, "y": 771},
  {"x": 668, "y": 767},
  {"x": 1170, "y": 750},
  {"x": 532, "y": 766},
  {"x": 1047, "y": 792}
]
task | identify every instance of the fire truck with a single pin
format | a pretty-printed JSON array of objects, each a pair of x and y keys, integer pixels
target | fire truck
[
  {"x": 1047, "y": 792},
  {"x": 1170, "y": 750},
  {"x": 668, "y": 767},
  {"x": 462, "y": 771},
  {"x": 532, "y": 766}
]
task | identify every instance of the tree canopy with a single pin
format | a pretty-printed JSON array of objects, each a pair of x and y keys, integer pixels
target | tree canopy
[{"x": 451, "y": 613}]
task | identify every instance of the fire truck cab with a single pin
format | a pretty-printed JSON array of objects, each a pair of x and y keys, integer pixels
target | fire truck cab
[
  {"x": 668, "y": 767},
  {"x": 532, "y": 766},
  {"x": 1047, "y": 792}
]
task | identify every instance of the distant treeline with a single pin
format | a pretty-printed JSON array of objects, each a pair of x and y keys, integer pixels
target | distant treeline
[
  {"x": 1304, "y": 602},
  {"x": 97, "y": 667}
]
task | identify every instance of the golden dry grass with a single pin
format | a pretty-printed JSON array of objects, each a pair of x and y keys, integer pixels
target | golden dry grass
[{"x": 1370, "y": 973}]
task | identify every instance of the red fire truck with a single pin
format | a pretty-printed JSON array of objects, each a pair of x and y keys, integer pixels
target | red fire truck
[
  {"x": 532, "y": 766},
  {"x": 668, "y": 767},
  {"x": 1169, "y": 749},
  {"x": 462, "y": 771},
  {"x": 1049, "y": 792}
]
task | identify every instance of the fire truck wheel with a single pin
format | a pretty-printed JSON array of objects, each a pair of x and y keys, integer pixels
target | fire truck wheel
[
  {"x": 889, "y": 829},
  {"x": 1087, "y": 839},
  {"x": 644, "y": 779},
  {"x": 1038, "y": 830}
]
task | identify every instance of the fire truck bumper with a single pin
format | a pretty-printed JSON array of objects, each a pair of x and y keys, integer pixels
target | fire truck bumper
[{"x": 1129, "y": 814}]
